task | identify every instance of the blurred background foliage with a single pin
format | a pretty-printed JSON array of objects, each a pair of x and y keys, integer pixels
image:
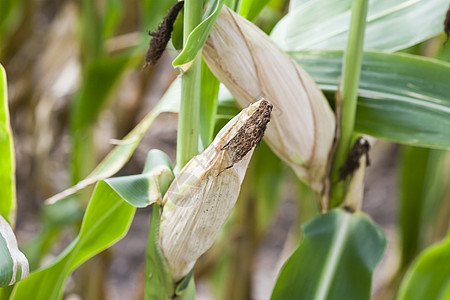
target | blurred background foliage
[{"x": 75, "y": 82}]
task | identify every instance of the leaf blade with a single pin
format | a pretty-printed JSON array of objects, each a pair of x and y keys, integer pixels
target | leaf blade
[
  {"x": 352, "y": 246},
  {"x": 323, "y": 24},
  {"x": 429, "y": 276},
  {"x": 107, "y": 220},
  {"x": 401, "y": 91},
  {"x": 198, "y": 37}
]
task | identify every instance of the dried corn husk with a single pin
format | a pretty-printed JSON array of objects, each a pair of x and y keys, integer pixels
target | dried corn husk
[
  {"x": 302, "y": 129},
  {"x": 202, "y": 195}
]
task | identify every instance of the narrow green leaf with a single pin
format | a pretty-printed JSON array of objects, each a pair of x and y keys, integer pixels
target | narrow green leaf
[
  {"x": 107, "y": 219},
  {"x": 13, "y": 264},
  {"x": 250, "y": 9},
  {"x": 11, "y": 12},
  {"x": 91, "y": 31},
  {"x": 7, "y": 159},
  {"x": 391, "y": 24},
  {"x": 335, "y": 259},
  {"x": 198, "y": 36},
  {"x": 414, "y": 163},
  {"x": 117, "y": 158},
  {"x": 423, "y": 183},
  {"x": 208, "y": 105},
  {"x": 401, "y": 91},
  {"x": 429, "y": 276},
  {"x": 112, "y": 15}
]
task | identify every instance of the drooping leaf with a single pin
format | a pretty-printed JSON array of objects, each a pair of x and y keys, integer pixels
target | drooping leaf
[
  {"x": 429, "y": 276},
  {"x": 107, "y": 219},
  {"x": 7, "y": 159},
  {"x": 391, "y": 24},
  {"x": 401, "y": 91},
  {"x": 198, "y": 36},
  {"x": 13, "y": 264},
  {"x": 147, "y": 188},
  {"x": 335, "y": 259}
]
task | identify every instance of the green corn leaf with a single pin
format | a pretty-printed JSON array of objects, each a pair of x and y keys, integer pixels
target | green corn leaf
[
  {"x": 402, "y": 97},
  {"x": 429, "y": 276},
  {"x": 391, "y": 24},
  {"x": 107, "y": 219},
  {"x": 198, "y": 36},
  {"x": 335, "y": 259},
  {"x": 13, "y": 264},
  {"x": 7, "y": 159}
]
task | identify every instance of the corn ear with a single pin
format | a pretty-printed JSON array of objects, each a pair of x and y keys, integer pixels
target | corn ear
[
  {"x": 302, "y": 128},
  {"x": 202, "y": 195}
]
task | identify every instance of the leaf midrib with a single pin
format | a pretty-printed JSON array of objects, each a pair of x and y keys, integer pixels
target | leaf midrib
[{"x": 333, "y": 258}]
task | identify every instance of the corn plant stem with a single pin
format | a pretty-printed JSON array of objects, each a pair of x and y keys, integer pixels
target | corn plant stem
[
  {"x": 188, "y": 122},
  {"x": 351, "y": 73}
]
